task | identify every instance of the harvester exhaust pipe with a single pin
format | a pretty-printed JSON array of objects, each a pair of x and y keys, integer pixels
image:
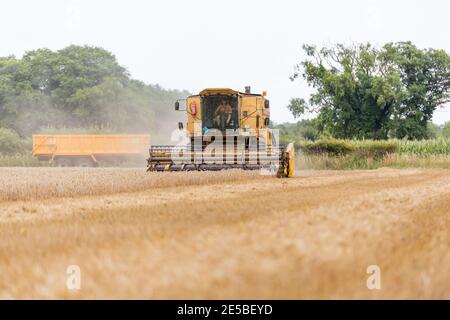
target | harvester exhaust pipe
[{"x": 248, "y": 89}]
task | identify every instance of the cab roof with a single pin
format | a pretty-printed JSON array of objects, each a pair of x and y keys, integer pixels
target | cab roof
[{"x": 214, "y": 91}]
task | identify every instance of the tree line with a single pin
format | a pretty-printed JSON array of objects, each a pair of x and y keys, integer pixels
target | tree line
[
  {"x": 360, "y": 91},
  {"x": 79, "y": 87},
  {"x": 366, "y": 92},
  {"x": 307, "y": 130}
]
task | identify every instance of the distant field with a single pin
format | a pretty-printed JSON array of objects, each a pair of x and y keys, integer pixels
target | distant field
[{"x": 224, "y": 235}]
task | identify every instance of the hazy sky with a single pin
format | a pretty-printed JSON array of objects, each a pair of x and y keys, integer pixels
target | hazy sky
[{"x": 196, "y": 44}]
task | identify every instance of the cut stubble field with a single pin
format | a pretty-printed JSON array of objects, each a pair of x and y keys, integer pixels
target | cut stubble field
[{"x": 224, "y": 234}]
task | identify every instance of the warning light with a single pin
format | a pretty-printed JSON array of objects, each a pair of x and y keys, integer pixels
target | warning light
[{"x": 194, "y": 108}]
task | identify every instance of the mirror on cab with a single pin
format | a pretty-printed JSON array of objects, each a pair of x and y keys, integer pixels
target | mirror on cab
[
  {"x": 266, "y": 104},
  {"x": 180, "y": 105}
]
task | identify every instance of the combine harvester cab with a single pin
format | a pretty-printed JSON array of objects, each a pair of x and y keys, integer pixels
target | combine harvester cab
[{"x": 225, "y": 129}]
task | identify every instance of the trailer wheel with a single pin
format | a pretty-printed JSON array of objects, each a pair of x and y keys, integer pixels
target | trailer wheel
[
  {"x": 63, "y": 162},
  {"x": 84, "y": 162}
]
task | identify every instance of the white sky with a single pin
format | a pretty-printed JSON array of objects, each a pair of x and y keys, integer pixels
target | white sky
[{"x": 196, "y": 44}]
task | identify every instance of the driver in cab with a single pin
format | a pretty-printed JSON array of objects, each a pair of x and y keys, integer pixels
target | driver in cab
[{"x": 223, "y": 114}]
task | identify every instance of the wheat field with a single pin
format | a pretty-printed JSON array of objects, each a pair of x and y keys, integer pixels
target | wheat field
[{"x": 224, "y": 235}]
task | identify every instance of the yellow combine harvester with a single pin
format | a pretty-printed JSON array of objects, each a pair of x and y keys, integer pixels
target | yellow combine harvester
[{"x": 225, "y": 129}]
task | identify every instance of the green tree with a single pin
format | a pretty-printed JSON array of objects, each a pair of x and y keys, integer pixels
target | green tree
[
  {"x": 11, "y": 143},
  {"x": 297, "y": 106},
  {"x": 425, "y": 76},
  {"x": 355, "y": 94},
  {"x": 433, "y": 131},
  {"x": 365, "y": 92},
  {"x": 80, "y": 86},
  {"x": 304, "y": 129},
  {"x": 446, "y": 130}
]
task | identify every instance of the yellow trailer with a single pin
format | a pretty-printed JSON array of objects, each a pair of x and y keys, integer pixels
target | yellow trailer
[{"x": 87, "y": 150}]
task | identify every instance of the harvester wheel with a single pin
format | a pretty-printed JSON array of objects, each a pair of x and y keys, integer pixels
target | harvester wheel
[
  {"x": 290, "y": 150},
  {"x": 63, "y": 162},
  {"x": 287, "y": 164},
  {"x": 151, "y": 168},
  {"x": 84, "y": 162}
]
